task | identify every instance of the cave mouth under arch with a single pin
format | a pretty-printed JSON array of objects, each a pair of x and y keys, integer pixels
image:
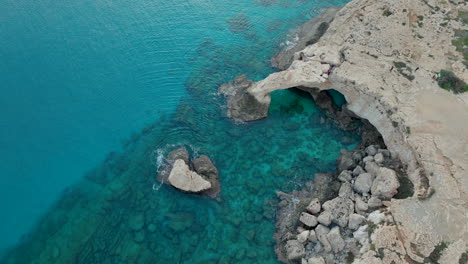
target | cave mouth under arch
[{"x": 337, "y": 98}]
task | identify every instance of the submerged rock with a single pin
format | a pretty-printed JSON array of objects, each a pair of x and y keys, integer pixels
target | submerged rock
[{"x": 182, "y": 178}]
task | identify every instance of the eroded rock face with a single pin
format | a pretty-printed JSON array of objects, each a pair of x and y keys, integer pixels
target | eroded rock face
[
  {"x": 205, "y": 167},
  {"x": 340, "y": 210},
  {"x": 182, "y": 178},
  {"x": 242, "y": 105}
]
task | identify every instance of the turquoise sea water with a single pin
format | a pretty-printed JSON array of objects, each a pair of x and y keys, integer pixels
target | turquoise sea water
[{"x": 83, "y": 78}]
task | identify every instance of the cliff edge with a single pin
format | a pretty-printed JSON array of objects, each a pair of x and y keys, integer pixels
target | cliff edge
[{"x": 389, "y": 58}]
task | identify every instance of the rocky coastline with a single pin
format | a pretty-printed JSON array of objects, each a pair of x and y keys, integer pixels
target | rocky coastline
[{"x": 383, "y": 204}]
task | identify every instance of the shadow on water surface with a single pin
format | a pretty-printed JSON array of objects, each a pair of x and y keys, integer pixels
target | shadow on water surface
[{"x": 119, "y": 214}]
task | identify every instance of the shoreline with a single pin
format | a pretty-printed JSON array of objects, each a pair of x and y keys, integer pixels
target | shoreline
[{"x": 383, "y": 56}]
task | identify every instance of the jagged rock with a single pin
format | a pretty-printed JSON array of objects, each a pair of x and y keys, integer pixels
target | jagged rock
[
  {"x": 335, "y": 239},
  {"x": 363, "y": 183},
  {"x": 368, "y": 159},
  {"x": 358, "y": 170},
  {"x": 316, "y": 260},
  {"x": 303, "y": 236},
  {"x": 340, "y": 209},
  {"x": 325, "y": 218},
  {"x": 346, "y": 161},
  {"x": 385, "y": 152},
  {"x": 314, "y": 206},
  {"x": 294, "y": 250},
  {"x": 242, "y": 105},
  {"x": 371, "y": 150},
  {"x": 361, "y": 235},
  {"x": 374, "y": 202},
  {"x": 182, "y": 178},
  {"x": 361, "y": 206},
  {"x": 205, "y": 167},
  {"x": 355, "y": 220},
  {"x": 346, "y": 191},
  {"x": 180, "y": 153},
  {"x": 386, "y": 184},
  {"x": 376, "y": 217},
  {"x": 372, "y": 168},
  {"x": 358, "y": 155},
  {"x": 321, "y": 232},
  {"x": 379, "y": 158},
  {"x": 345, "y": 176},
  {"x": 308, "y": 219},
  {"x": 312, "y": 236}
]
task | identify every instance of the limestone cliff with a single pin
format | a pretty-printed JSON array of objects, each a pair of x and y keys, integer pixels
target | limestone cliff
[{"x": 384, "y": 56}]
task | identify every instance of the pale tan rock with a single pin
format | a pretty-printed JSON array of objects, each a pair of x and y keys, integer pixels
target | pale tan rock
[{"x": 186, "y": 180}]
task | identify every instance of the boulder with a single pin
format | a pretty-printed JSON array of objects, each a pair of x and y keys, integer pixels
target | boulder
[
  {"x": 374, "y": 203},
  {"x": 303, "y": 236},
  {"x": 340, "y": 208},
  {"x": 294, "y": 250},
  {"x": 371, "y": 150},
  {"x": 312, "y": 236},
  {"x": 308, "y": 219},
  {"x": 379, "y": 158},
  {"x": 386, "y": 184},
  {"x": 363, "y": 183},
  {"x": 321, "y": 232},
  {"x": 335, "y": 239},
  {"x": 314, "y": 206},
  {"x": 368, "y": 159},
  {"x": 355, "y": 220},
  {"x": 325, "y": 218},
  {"x": 345, "y": 176},
  {"x": 346, "y": 191},
  {"x": 182, "y": 178},
  {"x": 316, "y": 260},
  {"x": 361, "y": 206},
  {"x": 358, "y": 170},
  {"x": 205, "y": 167}
]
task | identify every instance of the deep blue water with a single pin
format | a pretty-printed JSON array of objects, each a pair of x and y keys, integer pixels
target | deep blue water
[{"x": 80, "y": 79}]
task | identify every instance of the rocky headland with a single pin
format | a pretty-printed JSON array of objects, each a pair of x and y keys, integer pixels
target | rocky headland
[{"x": 402, "y": 67}]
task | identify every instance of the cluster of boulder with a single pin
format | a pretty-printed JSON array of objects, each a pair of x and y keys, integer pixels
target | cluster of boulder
[
  {"x": 338, "y": 230},
  {"x": 196, "y": 176}
]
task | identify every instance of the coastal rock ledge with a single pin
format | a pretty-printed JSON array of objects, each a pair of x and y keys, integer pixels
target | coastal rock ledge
[{"x": 385, "y": 57}]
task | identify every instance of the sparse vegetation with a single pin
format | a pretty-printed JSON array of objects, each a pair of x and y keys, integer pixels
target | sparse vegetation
[
  {"x": 387, "y": 13},
  {"x": 406, "y": 188},
  {"x": 350, "y": 258},
  {"x": 449, "y": 81},
  {"x": 437, "y": 253},
  {"x": 404, "y": 70},
  {"x": 463, "y": 258}
]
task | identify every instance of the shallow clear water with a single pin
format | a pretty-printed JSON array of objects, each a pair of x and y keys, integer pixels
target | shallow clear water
[{"x": 79, "y": 77}]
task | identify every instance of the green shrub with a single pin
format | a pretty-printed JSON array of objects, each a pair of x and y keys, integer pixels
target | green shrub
[
  {"x": 449, "y": 81},
  {"x": 437, "y": 253}
]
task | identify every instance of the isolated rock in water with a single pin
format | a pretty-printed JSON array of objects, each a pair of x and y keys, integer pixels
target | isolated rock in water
[
  {"x": 314, "y": 206},
  {"x": 294, "y": 250},
  {"x": 308, "y": 219},
  {"x": 386, "y": 184},
  {"x": 186, "y": 180},
  {"x": 336, "y": 241},
  {"x": 242, "y": 105},
  {"x": 205, "y": 167},
  {"x": 340, "y": 209},
  {"x": 180, "y": 153},
  {"x": 363, "y": 183}
]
